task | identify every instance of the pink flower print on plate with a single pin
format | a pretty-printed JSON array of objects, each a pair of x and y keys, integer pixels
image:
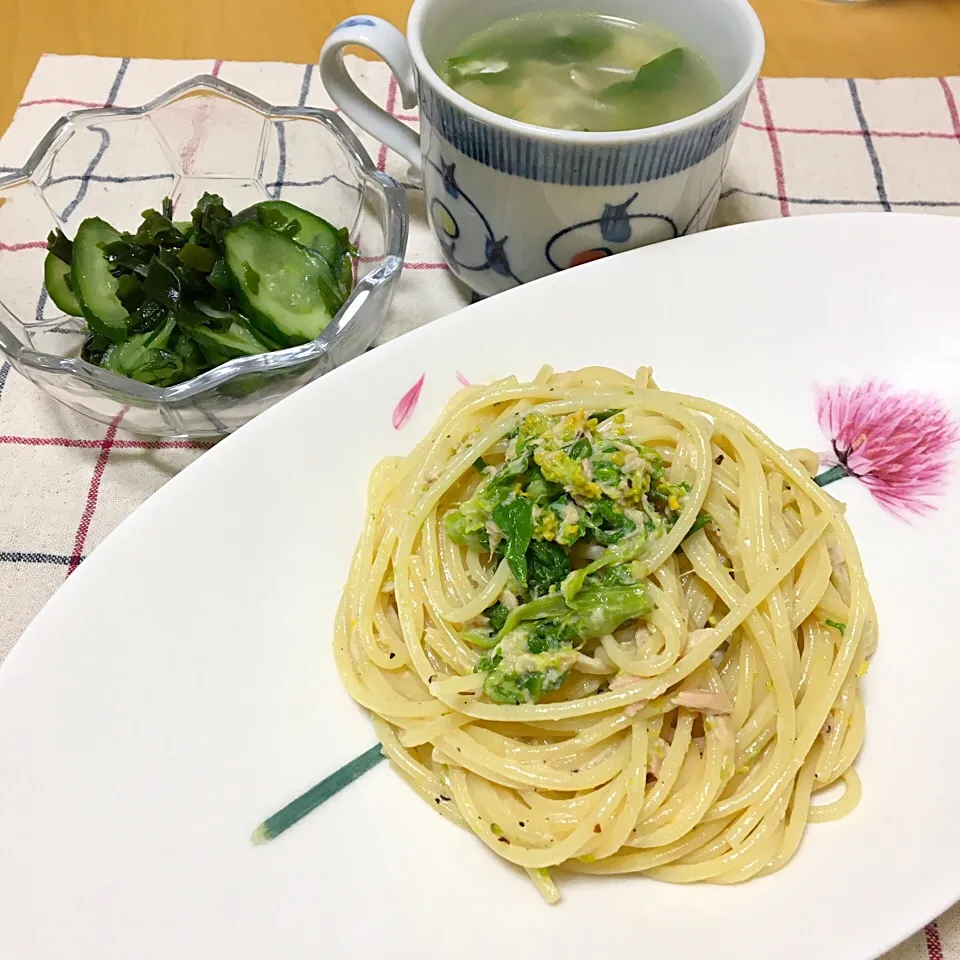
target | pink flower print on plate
[
  {"x": 408, "y": 402},
  {"x": 462, "y": 380},
  {"x": 897, "y": 444}
]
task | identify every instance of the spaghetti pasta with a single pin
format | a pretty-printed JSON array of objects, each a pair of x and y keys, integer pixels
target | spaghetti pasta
[{"x": 611, "y": 629}]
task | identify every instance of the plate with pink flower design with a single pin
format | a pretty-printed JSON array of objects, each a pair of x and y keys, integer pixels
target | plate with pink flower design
[{"x": 181, "y": 686}]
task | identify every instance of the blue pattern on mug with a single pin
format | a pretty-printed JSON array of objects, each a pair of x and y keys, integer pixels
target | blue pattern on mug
[
  {"x": 468, "y": 240},
  {"x": 590, "y": 239},
  {"x": 614, "y": 222},
  {"x": 355, "y": 22},
  {"x": 575, "y": 164}
]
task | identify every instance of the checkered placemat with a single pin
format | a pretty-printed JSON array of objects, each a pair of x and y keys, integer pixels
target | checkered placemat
[{"x": 806, "y": 146}]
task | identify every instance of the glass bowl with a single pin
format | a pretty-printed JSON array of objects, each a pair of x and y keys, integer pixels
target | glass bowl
[{"x": 203, "y": 135}]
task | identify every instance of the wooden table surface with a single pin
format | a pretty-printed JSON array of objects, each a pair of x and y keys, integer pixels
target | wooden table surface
[{"x": 860, "y": 38}]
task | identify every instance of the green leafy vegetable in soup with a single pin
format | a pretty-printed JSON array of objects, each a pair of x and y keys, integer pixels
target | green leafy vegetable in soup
[
  {"x": 581, "y": 71},
  {"x": 570, "y": 508}
]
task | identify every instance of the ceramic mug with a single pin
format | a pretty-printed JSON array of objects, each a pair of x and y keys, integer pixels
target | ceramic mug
[{"x": 511, "y": 201}]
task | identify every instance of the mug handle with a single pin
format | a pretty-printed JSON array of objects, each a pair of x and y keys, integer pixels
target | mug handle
[{"x": 390, "y": 45}]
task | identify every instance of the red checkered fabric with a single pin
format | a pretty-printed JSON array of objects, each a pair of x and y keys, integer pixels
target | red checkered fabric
[{"x": 806, "y": 146}]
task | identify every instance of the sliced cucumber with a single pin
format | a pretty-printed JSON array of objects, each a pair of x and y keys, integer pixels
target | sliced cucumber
[
  {"x": 146, "y": 357},
  {"x": 289, "y": 292},
  {"x": 238, "y": 340},
  {"x": 345, "y": 275},
  {"x": 56, "y": 275},
  {"x": 306, "y": 228},
  {"x": 246, "y": 215},
  {"x": 350, "y": 252},
  {"x": 94, "y": 285}
]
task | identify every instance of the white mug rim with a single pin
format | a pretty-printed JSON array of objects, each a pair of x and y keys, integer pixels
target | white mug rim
[{"x": 696, "y": 120}]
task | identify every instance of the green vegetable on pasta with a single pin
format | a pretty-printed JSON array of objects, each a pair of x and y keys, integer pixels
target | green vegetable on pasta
[{"x": 562, "y": 485}]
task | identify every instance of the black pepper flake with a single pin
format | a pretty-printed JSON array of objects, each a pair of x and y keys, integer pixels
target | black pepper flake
[
  {"x": 432, "y": 678},
  {"x": 502, "y": 840},
  {"x": 522, "y": 824},
  {"x": 436, "y": 800},
  {"x": 392, "y": 654},
  {"x": 575, "y": 770},
  {"x": 445, "y": 799},
  {"x": 718, "y": 460},
  {"x": 596, "y": 828}
]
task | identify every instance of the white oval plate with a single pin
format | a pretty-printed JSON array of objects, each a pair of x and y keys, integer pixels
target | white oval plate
[{"x": 180, "y": 686}]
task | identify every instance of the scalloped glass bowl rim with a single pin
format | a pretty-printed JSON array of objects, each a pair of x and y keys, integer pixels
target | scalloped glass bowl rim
[{"x": 386, "y": 269}]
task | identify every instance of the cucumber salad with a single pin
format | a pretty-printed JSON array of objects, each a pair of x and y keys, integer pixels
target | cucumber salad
[{"x": 178, "y": 298}]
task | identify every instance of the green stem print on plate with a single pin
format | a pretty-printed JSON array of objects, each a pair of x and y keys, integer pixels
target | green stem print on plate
[
  {"x": 829, "y": 476},
  {"x": 308, "y": 802}
]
